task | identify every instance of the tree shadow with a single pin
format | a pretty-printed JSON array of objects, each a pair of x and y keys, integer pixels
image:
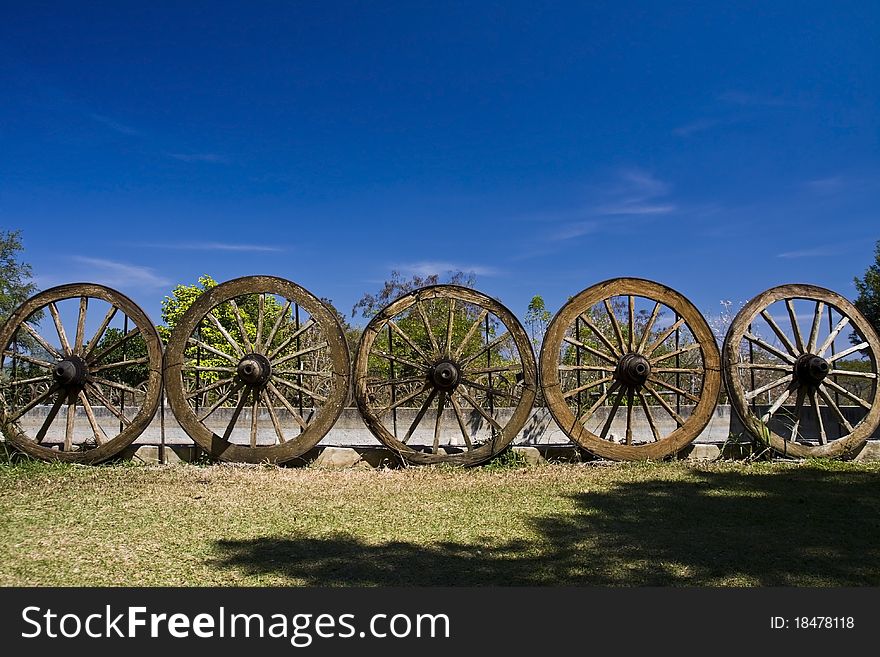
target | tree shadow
[{"x": 798, "y": 527}]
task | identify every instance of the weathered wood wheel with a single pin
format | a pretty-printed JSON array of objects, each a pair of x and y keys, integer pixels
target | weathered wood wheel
[
  {"x": 105, "y": 374},
  {"x": 453, "y": 350},
  {"x": 251, "y": 351},
  {"x": 828, "y": 367},
  {"x": 624, "y": 348}
]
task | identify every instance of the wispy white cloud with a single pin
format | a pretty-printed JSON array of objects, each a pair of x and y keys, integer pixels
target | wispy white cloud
[
  {"x": 427, "y": 268},
  {"x": 211, "y": 158},
  {"x": 820, "y": 250},
  {"x": 212, "y": 246},
  {"x": 121, "y": 274},
  {"x": 699, "y": 125},
  {"x": 576, "y": 229},
  {"x": 113, "y": 124}
]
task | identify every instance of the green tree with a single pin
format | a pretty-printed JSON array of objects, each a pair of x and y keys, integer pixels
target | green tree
[
  {"x": 537, "y": 319},
  {"x": 868, "y": 300}
]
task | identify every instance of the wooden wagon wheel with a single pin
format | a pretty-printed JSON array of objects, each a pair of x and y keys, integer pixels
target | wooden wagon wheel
[
  {"x": 98, "y": 380},
  {"x": 827, "y": 366},
  {"x": 255, "y": 351},
  {"x": 453, "y": 350},
  {"x": 635, "y": 351}
]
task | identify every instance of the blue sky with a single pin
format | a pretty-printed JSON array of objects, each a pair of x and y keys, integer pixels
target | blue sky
[{"x": 543, "y": 146}]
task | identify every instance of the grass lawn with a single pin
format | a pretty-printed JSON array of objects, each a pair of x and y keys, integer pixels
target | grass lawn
[{"x": 671, "y": 524}]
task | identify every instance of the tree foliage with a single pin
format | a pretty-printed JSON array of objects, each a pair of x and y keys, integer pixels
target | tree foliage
[
  {"x": 537, "y": 319},
  {"x": 868, "y": 287}
]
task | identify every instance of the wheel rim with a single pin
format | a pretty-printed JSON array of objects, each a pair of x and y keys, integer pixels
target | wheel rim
[
  {"x": 615, "y": 348},
  {"x": 445, "y": 368},
  {"x": 94, "y": 359},
  {"x": 255, "y": 352},
  {"x": 792, "y": 343}
]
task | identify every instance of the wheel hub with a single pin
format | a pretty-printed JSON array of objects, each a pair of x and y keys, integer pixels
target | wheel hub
[
  {"x": 811, "y": 369},
  {"x": 254, "y": 370},
  {"x": 633, "y": 370},
  {"x": 71, "y": 372},
  {"x": 445, "y": 375}
]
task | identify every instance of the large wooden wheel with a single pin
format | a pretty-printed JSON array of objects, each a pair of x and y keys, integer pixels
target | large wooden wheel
[
  {"x": 630, "y": 370},
  {"x": 81, "y": 373},
  {"x": 807, "y": 345},
  {"x": 257, "y": 370},
  {"x": 445, "y": 374}
]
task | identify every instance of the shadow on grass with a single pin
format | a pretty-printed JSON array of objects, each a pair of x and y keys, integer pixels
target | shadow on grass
[{"x": 805, "y": 527}]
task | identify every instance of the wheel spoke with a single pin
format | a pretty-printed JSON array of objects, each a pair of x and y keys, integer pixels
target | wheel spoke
[
  {"x": 479, "y": 409},
  {"x": 293, "y": 336},
  {"x": 677, "y": 352},
  {"x": 402, "y": 401},
  {"x": 100, "y": 436},
  {"x": 604, "y": 340},
  {"x": 853, "y": 373},
  {"x": 287, "y": 405},
  {"x": 798, "y": 407},
  {"x": 217, "y": 352},
  {"x": 461, "y": 422},
  {"x": 495, "y": 392},
  {"x": 678, "y": 391},
  {"x": 605, "y": 427},
  {"x": 325, "y": 375},
  {"x": 586, "y": 386},
  {"x": 769, "y": 348},
  {"x": 649, "y": 415},
  {"x": 632, "y": 322},
  {"x": 242, "y": 400},
  {"x": 589, "y": 349},
  {"x": 293, "y": 386},
  {"x": 226, "y": 395},
  {"x": 109, "y": 405},
  {"x": 121, "y": 363},
  {"x": 261, "y": 302},
  {"x": 381, "y": 383},
  {"x": 420, "y": 415},
  {"x": 835, "y": 409},
  {"x": 275, "y": 423},
  {"x": 589, "y": 412},
  {"x": 255, "y": 411},
  {"x": 486, "y": 347},
  {"x": 470, "y": 333},
  {"x": 29, "y": 359},
  {"x": 779, "y": 402},
  {"x": 847, "y": 352},
  {"x": 208, "y": 368},
  {"x": 614, "y": 325},
  {"x": 662, "y": 337},
  {"x": 795, "y": 327},
  {"x": 20, "y": 382},
  {"x": 269, "y": 338},
  {"x": 116, "y": 345},
  {"x": 779, "y": 333},
  {"x": 449, "y": 323},
  {"x": 100, "y": 332},
  {"x": 773, "y": 384},
  {"x": 50, "y": 417},
  {"x": 403, "y": 361},
  {"x": 814, "y": 401},
  {"x": 493, "y": 370},
  {"x": 439, "y": 417},
  {"x": 226, "y": 336},
  {"x": 843, "y": 391},
  {"x": 831, "y": 336},
  {"x": 650, "y": 325},
  {"x": 70, "y": 419},
  {"x": 209, "y": 387},
  {"x": 629, "y": 413},
  {"x": 240, "y": 323},
  {"x": 36, "y": 401},
  {"x": 65, "y": 345},
  {"x": 81, "y": 324},
  {"x": 656, "y": 395},
  {"x": 421, "y": 310},
  {"x": 41, "y": 340},
  {"x": 409, "y": 341},
  {"x": 694, "y": 371},
  {"x": 814, "y": 330},
  {"x": 586, "y": 368},
  {"x": 764, "y": 366},
  {"x": 114, "y": 384},
  {"x": 300, "y": 353}
]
